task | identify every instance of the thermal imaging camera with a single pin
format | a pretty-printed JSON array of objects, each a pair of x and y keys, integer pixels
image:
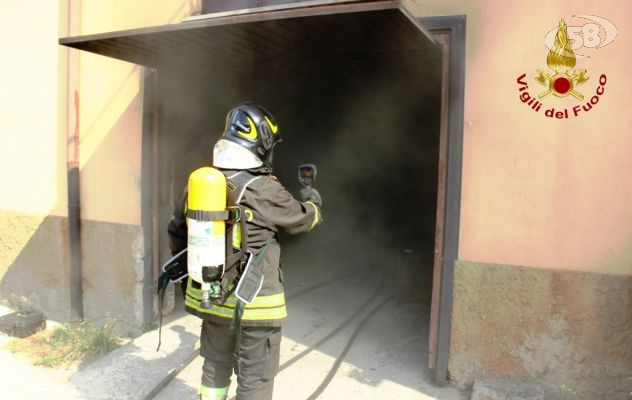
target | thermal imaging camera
[{"x": 307, "y": 174}]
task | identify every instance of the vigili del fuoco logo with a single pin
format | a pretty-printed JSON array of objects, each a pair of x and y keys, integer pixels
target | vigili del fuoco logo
[{"x": 563, "y": 79}]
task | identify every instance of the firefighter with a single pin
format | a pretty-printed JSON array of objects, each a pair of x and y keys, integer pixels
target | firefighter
[{"x": 244, "y": 155}]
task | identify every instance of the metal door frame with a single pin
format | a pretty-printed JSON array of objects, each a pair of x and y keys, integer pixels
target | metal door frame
[{"x": 454, "y": 89}]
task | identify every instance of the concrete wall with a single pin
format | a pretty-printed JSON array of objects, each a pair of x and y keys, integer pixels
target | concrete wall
[
  {"x": 559, "y": 327},
  {"x": 553, "y": 195}
]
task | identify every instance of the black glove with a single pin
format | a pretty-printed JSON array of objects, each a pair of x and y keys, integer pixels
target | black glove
[{"x": 311, "y": 194}]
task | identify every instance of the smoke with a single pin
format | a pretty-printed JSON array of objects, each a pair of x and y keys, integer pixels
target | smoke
[
  {"x": 373, "y": 132},
  {"x": 370, "y": 124}
]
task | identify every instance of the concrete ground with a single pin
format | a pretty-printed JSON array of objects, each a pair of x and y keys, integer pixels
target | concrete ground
[
  {"x": 332, "y": 349},
  {"x": 353, "y": 337},
  {"x": 132, "y": 371}
]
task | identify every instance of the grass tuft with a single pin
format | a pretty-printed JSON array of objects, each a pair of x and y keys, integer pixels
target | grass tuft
[{"x": 69, "y": 343}]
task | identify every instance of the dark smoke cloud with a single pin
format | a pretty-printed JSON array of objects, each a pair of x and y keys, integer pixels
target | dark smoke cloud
[{"x": 370, "y": 124}]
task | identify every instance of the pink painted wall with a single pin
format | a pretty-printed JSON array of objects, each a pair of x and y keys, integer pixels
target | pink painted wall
[
  {"x": 111, "y": 110},
  {"x": 32, "y": 107},
  {"x": 538, "y": 191}
]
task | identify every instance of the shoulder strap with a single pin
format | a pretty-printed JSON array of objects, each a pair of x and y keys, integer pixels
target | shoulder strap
[{"x": 237, "y": 185}]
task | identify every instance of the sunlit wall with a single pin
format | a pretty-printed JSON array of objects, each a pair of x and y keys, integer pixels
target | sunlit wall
[{"x": 539, "y": 191}]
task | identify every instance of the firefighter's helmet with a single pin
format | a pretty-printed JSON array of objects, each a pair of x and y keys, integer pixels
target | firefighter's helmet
[{"x": 253, "y": 127}]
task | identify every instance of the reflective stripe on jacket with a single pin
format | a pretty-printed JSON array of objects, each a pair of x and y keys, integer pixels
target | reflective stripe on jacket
[{"x": 263, "y": 308}]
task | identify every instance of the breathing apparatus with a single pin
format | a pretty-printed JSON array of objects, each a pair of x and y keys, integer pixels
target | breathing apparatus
[
  {"x": 206, "y": 242},
  {"x": 210, "y": 225},
  {"x": 217, "y": 256},
  {"x": 212, "y": 212}
]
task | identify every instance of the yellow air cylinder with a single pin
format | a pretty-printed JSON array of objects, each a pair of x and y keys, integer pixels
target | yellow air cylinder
[{"x": 206, "y": 241}]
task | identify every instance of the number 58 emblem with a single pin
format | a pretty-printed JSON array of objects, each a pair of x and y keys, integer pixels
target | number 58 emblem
[{"x": 586, "y": 35}]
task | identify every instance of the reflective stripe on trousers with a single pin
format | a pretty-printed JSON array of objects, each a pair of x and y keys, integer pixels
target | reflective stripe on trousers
[{"x": 208, "y": 393}]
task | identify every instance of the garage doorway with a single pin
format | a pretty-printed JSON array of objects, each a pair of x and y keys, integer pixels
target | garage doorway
[{"x": 374, "y": 98}]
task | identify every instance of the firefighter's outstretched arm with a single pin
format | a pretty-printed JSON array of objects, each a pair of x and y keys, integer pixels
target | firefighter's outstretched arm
[{"x": 284, "y": 212}]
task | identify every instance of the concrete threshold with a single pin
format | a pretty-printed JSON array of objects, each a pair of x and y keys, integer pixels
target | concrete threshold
[{"x": 136, "y": 371}]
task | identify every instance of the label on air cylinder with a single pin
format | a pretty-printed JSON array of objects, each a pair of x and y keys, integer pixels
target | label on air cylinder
[{"x": 204, "y": 248}]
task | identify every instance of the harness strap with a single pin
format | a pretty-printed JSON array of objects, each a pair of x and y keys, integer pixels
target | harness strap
[
  {"x": 239, "y": 312},
  {"x": 202, "y": 215},
  {"x": 163, "y": 282},
  {"x": 241, "y": 181},
  {"x": 232, "y": 259}
]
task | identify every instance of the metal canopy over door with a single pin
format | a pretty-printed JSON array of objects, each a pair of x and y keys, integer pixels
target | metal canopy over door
[
  {"x": 289, "y": 41},
  {"x": 327, "y": 31}
]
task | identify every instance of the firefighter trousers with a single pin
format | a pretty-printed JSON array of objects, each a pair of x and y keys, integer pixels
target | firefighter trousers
[{"x": 258, "y": 358}]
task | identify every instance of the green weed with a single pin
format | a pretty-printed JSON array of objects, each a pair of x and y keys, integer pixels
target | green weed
[{"x": 69, "y": 343}]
